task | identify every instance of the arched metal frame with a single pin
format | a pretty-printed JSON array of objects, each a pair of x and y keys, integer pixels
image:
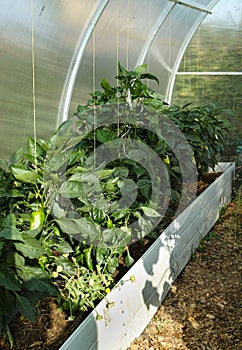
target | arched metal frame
[
  {"x": 75, "y": 63},
  {"x": 171, "y": 83},
  {"x": 63, "y": 53}
]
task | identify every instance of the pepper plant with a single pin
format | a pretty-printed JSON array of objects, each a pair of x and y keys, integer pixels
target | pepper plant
[{"x": 53, "y": 240}]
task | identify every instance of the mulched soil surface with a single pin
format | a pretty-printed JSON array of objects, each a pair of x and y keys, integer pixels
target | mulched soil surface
[{"x": 202, "y": 310}]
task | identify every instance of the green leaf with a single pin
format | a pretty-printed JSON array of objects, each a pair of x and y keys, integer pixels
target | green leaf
[
  {"x": 141, "y": 69},
  {"x": 128, "y": 259},
  {"x": 25, "y": 307},
  {"x": 86, "y": 228},
  {"x": 71, "y": 189},
  {"x": 149, "y": 76},
  {"x": 63, "y": 247},
  {"x": 24, "y": 175},
  {"x": 8, "y": 279},
  {"x": 16, "y": 156},
  {"x": 4, "y": 165},
  {"x": 104, "y": 135},
  {"x": 34, "y": 149},
  {"x": 150, "y": 211},
  {"x": 105, "y": 84},
  {"x": 1, "y": 247},
  {"x": 8, "y": 221},
  {"x": 18, "y": 260},
  {"x": 31, "y": 248},
  {"x": 35, "y": 279},
  {"x": 11, "y": 233},
  {"x": 56, "y": 161},
  {"x": 7, "y": 307},
  {"x": 116, "y": 237}
]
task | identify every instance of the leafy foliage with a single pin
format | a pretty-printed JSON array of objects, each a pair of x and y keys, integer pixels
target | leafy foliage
[{"x": 53, "y": 241}]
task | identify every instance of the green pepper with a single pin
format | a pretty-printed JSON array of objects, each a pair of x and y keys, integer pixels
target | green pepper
[
  {"x": 36, "y": 219},
  {"x": 88, "y": 258},
  {"x": 109, "y": 223},
  {"x": 42, "y": 261}
]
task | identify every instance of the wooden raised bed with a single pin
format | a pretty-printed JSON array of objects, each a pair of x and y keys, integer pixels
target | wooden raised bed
[{"x": 131, "y": 305}]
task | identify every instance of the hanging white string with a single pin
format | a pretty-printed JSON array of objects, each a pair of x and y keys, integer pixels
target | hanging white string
[
  {"x": 149, "y": 33},
  {"x": 127, "y": 34},
  {"x": 117, "y": 57},
  {"x": 94, "y": 89},
  {"x": 33, "y": 84}
]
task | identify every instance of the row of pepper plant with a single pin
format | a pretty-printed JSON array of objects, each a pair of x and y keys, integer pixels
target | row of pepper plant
[{"x": 45, "y": 199}]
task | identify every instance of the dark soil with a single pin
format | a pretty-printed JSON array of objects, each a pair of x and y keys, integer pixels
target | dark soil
[{"x": 201, "y": 312}]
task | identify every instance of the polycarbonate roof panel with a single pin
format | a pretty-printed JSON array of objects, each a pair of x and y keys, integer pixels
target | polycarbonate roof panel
[
  {"x": 133, "y": 33},
  {"x": 57, "y": 27},
  {"x": 76, "y": 44},
  {"x": 119, "y": 36}
]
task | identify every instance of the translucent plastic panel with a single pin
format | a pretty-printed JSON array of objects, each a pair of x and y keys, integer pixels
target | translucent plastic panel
[
  {"x": 119, "y": 36},
  {"x": 225, "y": 92},
  {"x": 168, "y": 42},
  {"x": 57, "y": 28},
  {"x": 211, "y": 69},
  {"x": 75, "y": 44}
]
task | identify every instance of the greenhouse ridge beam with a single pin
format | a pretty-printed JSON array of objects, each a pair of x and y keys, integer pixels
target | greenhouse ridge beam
[{"x": 192, "y": 6}]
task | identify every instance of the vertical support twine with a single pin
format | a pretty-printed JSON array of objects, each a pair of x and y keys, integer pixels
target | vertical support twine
[
  {"x": 117, "y": 54},
  {"x": 127, "y": 36},
  {"x": 33, "y": 83},
  {"x": 94, "y": 89},
  {"x": 149, "y": 33},
  {"x": 170, "y": 19}
]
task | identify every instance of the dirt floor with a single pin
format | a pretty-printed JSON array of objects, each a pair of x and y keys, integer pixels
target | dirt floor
[{"x": 202, "y": 310}]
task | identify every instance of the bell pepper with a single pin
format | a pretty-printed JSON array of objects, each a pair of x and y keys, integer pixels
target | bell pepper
[
  {"x": 36, "y": 219},
  {"x": 88, "y": 258}
]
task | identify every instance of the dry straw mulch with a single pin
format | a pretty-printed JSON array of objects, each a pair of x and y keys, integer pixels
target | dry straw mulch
[{"x": 203, "y": 308}]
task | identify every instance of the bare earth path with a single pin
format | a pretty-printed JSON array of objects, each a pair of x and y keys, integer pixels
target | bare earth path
[{"x": 203, "y": 309}]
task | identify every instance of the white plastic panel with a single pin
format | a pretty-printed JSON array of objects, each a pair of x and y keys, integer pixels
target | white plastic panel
[
  {"x": 57, "y": 28},
  {"x": 70, "y": 58}
]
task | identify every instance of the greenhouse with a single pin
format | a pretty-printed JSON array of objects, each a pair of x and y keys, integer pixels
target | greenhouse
[{"x": 121, "y": 172}]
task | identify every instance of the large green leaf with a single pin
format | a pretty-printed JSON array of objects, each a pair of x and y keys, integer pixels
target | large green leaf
[
  {"x": 31, "y": 248},
  {"x": 8, "y": 221},
  {"x": 7, "y": 308},
  {"x": 84, "y": 228},
  {"x": 141, "y": 69},
  {"x": 1, "y": 247},
  {"x": 103, "y": 135},
  {"x": 116, "y": 237},
  {"x": 63, "y": 247},
  {"x": 24, "y": 175},
  {"x": 71, "y": 189},
  {"x": 35, "y": 279},
  {"x": 105, "y": 84},
  {"x": 8, "y": 279},
  {"x": 35, "y": 149},
  {"x": 25, "y": 307},
  {"x": 12, "y": 233},
  {"x": 55, "y": 161},
  {"x": 17, "y": 156},
  {"x": 150, "y": 211}
]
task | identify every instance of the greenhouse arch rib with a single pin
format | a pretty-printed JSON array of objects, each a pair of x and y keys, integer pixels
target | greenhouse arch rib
[
  {"x": 153, "y": 32},
  {"x": 192, "y": 31},
  {"x": 75, "y": 63}
]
